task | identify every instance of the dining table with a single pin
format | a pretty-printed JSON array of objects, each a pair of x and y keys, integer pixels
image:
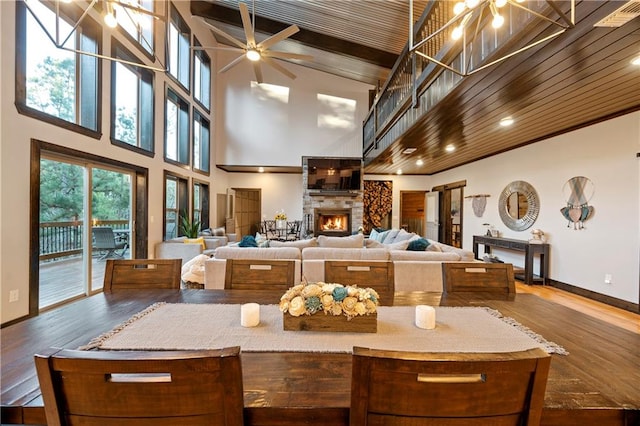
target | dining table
[{"x": 595, "y": 383}]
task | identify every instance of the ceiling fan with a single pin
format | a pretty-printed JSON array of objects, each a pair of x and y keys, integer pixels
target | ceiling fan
[{"x": 257, "y": 52}]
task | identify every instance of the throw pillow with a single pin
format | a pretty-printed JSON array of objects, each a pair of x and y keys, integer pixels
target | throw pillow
[
  {"x": 433, "y": 247},
  {"x": 391, "y": 236},
  {"x": 403, "y": 236},
  {"x": 381, "y": 236},
  {"x": 369, "y": 243},
  {"x": 261, "y": 240},
  {"x": 218, "y": 232},
  {"x": 248, "y": 241},
  {"x": 420, "y": 244},
  {"x": 196, "y": 241},
  {"x": 373, "y": 235}
]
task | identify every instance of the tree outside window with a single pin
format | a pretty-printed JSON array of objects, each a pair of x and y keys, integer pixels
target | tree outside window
[
  {"x": 179, "y": 45},
  {"x": 176, "y": 129},
  {"x": 201, "y": 142}
]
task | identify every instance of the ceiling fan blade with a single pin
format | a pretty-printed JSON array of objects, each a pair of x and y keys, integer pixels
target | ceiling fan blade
[
  {"x": 278, "y": 37},
  {"x": 231, "y": 64},
  {"x": 258, "y": 71},
  {"x": 225, "y": 35},
  {"x": 287, "y": 55},
  {"x": 246, "y": 23},
  {"x": 279, "y": 67},
  {"x": 228, "y": 49}
]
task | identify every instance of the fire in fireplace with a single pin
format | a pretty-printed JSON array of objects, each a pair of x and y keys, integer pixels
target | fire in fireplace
[{"x": 335, "y": 222}]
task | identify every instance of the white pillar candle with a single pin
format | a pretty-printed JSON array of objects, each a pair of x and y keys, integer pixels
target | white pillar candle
[
  {"x": 250, "y": 314},
  {"x": 425, "y": 317}
]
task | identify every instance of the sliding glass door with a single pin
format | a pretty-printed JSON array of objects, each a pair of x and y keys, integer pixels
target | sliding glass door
[{"x": 85, "y": 217}]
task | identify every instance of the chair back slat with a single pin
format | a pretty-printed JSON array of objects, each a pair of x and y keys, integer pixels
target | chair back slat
[
  {"x": 139, "y": 388},
  {"x": 478, "y": 276},
  {"x": 406, "y": 388},
  {"x": 121, "y": 274}
]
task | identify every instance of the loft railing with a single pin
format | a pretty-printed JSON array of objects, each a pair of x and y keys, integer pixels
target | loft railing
[
  {"x": 416, "y": 84},
  {"x": 62, "y": 239}
]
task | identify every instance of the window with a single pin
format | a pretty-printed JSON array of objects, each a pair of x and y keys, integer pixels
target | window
[
  {"x": 58, "y": 85},
  {"x": 139, "y": 26},
  {"x": 200, "y": 142},
  {"x": 201, "y": 203},
  {"x": 132, "y": 102},
  {"x": 201, "y": 77},
  {"x": 178, "y": 40},
  {"x": 176, "y": 144},
  {"x": 176, "y": 196}
]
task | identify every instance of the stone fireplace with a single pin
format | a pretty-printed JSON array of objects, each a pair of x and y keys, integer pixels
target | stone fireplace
[
  {"x": 330, "y": 203},
  {"x": 332, "y": 222}
]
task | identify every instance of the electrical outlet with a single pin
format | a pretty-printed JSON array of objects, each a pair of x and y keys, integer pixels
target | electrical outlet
[
  {"x": 14, "y": 295},
  {"x": 607, "y": 278}
]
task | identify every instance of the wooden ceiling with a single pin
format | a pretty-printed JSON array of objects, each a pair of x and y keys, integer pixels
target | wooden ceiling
[{"x": 579, "y": 78}]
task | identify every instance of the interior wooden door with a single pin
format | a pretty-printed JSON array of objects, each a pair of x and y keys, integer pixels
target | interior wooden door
[
  {"x": 247, "y": 211},
  {"x": 412, "y": 211},
  {"x": 450, "y": 213}
]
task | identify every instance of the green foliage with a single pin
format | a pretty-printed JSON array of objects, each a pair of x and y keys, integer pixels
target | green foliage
[
  {"x": 60, "y": 191},
  {"x": 52, "y": 89},
  {"x": 189, "y": 228}
]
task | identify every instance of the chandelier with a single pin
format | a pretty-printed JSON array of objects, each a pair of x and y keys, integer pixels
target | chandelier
[
  {"x": 129, "y": 13},
  {"x": 470, "y": 18}
]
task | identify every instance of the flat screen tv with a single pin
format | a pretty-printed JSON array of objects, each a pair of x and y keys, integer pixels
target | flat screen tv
[{"x": 334, "y": 174}]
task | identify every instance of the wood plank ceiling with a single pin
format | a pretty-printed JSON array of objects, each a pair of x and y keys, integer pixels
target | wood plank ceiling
[{"x": 581, "y": 77}]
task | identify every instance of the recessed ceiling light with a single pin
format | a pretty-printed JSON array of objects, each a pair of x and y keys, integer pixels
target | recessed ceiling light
[
  {"x": 507, "y": 121},
  {"x": 260, "y": 169},
  {"x": 450, "y": 148},
  {"x": 399, "y": 172},
  {"x": 419, "y": 163},
  {"x": 409, "y": 150},
  {"x": 636, "y": 61}
]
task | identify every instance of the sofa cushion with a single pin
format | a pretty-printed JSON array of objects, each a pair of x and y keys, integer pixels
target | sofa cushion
[
  {"x": 397, "y": 245},
  {"x": 328, "y": 253},
  {"x": 229, "y": 252},
  {"x": 312, "y": 242},
  {"x": 403, "y": 236},
  {"x": 371, "y": 243},
  {"x": 423, "y": 256},
  {"x": 352, "y": 241}
]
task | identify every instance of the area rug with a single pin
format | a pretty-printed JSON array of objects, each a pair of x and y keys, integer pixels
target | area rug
[{"x": 182, "y": 326}]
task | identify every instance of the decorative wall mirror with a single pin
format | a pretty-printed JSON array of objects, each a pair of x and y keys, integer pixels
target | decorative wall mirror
[{"x": 518, "y": 205}]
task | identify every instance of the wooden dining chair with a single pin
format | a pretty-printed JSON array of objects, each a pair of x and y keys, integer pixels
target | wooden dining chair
[
  {"x": 413, "y": 388},
  {"x": 133, "y": 274},
  {"x": 142, "y": 388},
  {"x": 478, "y": 277},
  {"x": 376, "y": 274}
]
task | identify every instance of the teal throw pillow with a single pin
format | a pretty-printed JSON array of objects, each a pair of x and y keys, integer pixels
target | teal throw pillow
[
  {"x": 419, "y": 244},
  {"x": 248, "y": 241}
]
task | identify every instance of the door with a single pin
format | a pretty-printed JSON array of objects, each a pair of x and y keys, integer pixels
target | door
[
  {"x": 412, "y": 206},
  {"x": 433, "y": 216},
  {"x": 75, "y": 198},
  {"x": 247, "y": 211},
  {"x": 450, "y": 213}
]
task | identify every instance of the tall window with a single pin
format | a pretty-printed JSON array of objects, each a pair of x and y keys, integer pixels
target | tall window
[
  {"x": 139, "y": 26},
  {"x": 201, "y": 203},
  {"x": 176, "y": 203},
  {"x": 132, "y": 102},
  {"x": 201, "y": 77},
  {"x": 58, "y": 85},
  {"x": 179, "y": 39},
  {"x": 176, "y": 145},
  {"x": 201, "y": 142}
]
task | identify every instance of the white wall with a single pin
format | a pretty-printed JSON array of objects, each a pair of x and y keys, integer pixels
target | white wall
[
  {"x": 317, "y": 114},
  {"x": 610, "y": 243}
]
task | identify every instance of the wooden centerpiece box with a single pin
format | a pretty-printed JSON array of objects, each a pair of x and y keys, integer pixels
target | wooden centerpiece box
[
  {"x": 330, "y": 307},
  {"x": 325, "y": 322}
]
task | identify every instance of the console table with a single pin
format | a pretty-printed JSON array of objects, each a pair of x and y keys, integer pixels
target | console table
[{"x": 530, "y": 251}]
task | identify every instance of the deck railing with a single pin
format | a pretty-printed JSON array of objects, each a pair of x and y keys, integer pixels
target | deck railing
[{"x": 62, "y": 239}]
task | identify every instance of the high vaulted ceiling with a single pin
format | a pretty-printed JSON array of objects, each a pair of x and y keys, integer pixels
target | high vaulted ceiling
[{"x": 581, "y": 77}]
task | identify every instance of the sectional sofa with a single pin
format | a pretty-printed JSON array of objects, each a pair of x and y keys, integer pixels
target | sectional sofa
[{"x": 412, "y": 270}]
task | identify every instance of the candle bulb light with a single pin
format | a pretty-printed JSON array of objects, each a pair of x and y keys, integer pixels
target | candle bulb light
[{"x": 425, "y": 317}]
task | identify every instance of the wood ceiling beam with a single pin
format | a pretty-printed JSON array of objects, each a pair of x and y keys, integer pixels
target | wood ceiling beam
[{"x": 216, "y": 12}]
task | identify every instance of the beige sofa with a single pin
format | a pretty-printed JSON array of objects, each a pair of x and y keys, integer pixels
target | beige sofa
[
  {"x": 413, "y": 270},
  {"x": 186, "y": 249},
  {"x": 268, "y": 260}
]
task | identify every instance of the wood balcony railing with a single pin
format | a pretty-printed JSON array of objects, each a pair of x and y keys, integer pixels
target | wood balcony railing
[{"x": 62, "y": 239}]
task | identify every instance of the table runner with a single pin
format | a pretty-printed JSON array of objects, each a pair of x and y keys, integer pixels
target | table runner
[{"x": 183, "y": 326}]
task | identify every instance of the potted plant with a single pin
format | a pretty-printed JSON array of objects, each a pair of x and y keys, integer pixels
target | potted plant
[{"x": 189, "y": 228}]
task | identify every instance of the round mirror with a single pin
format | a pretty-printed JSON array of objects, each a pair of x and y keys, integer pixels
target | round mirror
[{"x": 518, "y": 205}]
